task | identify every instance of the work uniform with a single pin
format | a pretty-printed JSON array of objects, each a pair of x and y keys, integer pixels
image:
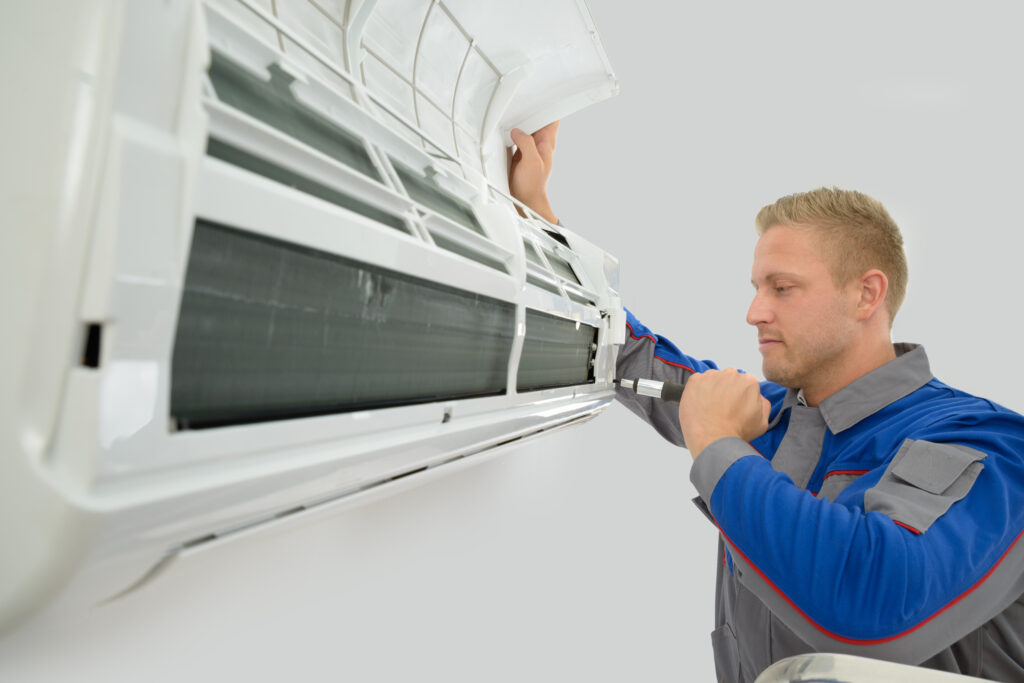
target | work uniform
[{"x": 882, "y": 523}]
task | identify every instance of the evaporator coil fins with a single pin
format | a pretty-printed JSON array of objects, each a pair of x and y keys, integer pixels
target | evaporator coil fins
[
  {"x": 270, "y": 330},
  {"x": 557, "y": 352}
]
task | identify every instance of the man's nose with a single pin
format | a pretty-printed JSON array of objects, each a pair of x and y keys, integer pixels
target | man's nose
[{"x": 759, "y": 311}]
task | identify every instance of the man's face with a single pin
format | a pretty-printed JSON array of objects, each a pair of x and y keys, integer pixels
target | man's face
[{"x": 804, "y": 322}]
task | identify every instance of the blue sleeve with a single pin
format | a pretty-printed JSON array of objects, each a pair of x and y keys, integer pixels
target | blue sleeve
[
  {"x": 647, "y": 355},
  {"x": 851, "y": 581},
  {"x": 660, "y": 349}
]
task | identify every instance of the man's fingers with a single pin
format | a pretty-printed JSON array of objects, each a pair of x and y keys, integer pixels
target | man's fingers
[
  {"x": 547, "y": 135},
  {"x": 526, "y": 144},
  {"x": 546, "y": 152},
  {"x": 541, "y": 143}
]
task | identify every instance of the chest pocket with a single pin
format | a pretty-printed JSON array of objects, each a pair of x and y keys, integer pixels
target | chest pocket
[{"x": 923, "y": 480}]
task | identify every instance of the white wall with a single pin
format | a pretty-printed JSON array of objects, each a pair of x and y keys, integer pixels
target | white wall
[{"x": 579, "y": 557}]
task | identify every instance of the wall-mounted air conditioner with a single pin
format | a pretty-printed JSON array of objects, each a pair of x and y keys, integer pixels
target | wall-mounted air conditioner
[{"x": 263, "y": 259}]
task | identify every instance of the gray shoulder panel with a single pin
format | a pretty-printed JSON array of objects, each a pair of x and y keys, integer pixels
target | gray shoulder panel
[
  {"x": 923, "y": 480},
  {"x": 835, "y": 484}
]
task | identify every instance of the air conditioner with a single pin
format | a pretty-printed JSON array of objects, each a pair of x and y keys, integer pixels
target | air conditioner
[{"x": 260, "y": 258}]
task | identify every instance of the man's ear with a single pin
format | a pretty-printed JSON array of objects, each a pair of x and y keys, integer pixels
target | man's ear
[{"x": 872, "y": 287}]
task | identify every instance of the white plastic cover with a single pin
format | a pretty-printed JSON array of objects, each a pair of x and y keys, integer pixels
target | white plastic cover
[{"x": 463, "y": 71}]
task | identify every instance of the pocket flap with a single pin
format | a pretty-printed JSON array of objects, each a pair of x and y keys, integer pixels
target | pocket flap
[{"x": 933, "y": 467}]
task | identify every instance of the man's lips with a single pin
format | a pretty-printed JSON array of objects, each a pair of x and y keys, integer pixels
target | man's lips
[{"x": 765, "y": 343}]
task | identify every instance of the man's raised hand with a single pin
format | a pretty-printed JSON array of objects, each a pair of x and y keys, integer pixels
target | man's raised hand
[{"x": 531, "y": 168}]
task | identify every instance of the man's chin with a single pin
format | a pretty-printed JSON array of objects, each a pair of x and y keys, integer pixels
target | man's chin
[{"x": 779, "y": 376}]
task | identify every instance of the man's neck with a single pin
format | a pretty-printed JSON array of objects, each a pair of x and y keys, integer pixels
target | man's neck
[{"x": 856, "y": 364}]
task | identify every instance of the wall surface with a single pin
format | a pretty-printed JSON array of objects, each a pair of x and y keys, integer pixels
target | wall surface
[{"x": 579, "y": 556}]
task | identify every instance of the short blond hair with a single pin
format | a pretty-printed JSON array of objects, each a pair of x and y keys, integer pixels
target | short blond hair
[{"x": 856, "y": 230}]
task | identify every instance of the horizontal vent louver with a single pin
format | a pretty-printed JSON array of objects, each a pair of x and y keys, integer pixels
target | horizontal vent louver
[
  {"x": 457, "y": 248},
  {"x": 543, "y": 284},
  {"x": 561, "y": 267},
  {"x": 531, "y": 254},
  {"x": 424, "y": 190},
  {"x": 267, "y": 169},
  {"x": 270, "y": 330},
  {"x": 556, "y": 352},
  {"x": 580, "y": 299},
  {"x": 273, "y": 103}
]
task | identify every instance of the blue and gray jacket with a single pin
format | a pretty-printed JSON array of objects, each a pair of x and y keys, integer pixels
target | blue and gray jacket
[{"x": 882, "y": 523}]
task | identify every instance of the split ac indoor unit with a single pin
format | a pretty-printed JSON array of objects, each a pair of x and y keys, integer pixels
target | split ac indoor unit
[{"x": 261, "y": 259}]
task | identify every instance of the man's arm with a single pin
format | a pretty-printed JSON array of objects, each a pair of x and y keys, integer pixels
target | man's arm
[
  {"x": 858, "y": 581},
  {"x": 646, "y": 355}
]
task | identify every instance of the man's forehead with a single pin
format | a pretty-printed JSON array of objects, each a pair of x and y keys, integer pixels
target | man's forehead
[{"x": 787, "y": 250}]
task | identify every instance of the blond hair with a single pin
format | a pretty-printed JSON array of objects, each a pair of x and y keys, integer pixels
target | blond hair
[{"x": 857, "y": 232}]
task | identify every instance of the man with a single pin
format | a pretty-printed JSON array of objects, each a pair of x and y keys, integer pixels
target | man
[{"x": 864, "y": 506}]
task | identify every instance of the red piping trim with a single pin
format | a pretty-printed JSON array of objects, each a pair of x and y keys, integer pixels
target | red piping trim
[
  {"x": 907, "y": 526},
  {"x": 857, "y": 472},
  {"x": 678, "y": 365},
  {"x": 876, "y": 641},
  {"x": 651, "y": 337}
]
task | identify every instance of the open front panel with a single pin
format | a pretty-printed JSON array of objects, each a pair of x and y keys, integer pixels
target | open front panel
[
  {"x": 557, "y": 352},
  {"x": 270, "y": 330}
]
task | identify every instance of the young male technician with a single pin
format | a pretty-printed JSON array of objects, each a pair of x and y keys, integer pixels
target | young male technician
[{"x": 864, "y": 507}]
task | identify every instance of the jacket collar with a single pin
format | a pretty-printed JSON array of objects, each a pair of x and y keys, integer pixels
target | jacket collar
[{"x": 866, "y": 395}]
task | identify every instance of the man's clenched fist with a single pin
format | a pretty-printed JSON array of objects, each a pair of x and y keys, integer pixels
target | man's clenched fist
[{"x": 721, "y": 403}]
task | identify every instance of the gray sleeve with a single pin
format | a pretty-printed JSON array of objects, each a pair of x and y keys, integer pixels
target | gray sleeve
[
  {"x": 715, "y": 459},
  {"x": 636, "y": 360}
]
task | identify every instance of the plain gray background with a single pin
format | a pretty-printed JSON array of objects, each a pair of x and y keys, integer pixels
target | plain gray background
[{"x": 580, "y": 557}]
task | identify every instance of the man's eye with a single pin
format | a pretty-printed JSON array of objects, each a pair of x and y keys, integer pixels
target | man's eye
[{"x": 782, "y": 289}]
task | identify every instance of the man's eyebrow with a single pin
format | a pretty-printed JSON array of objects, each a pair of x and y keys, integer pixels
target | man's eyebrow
[{"x": 775, "y": 276}]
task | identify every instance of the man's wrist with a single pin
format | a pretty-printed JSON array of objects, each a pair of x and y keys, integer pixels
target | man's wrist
[
  {"x": 540, "y": 206},
  {"x": 697, "y": 443}
]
